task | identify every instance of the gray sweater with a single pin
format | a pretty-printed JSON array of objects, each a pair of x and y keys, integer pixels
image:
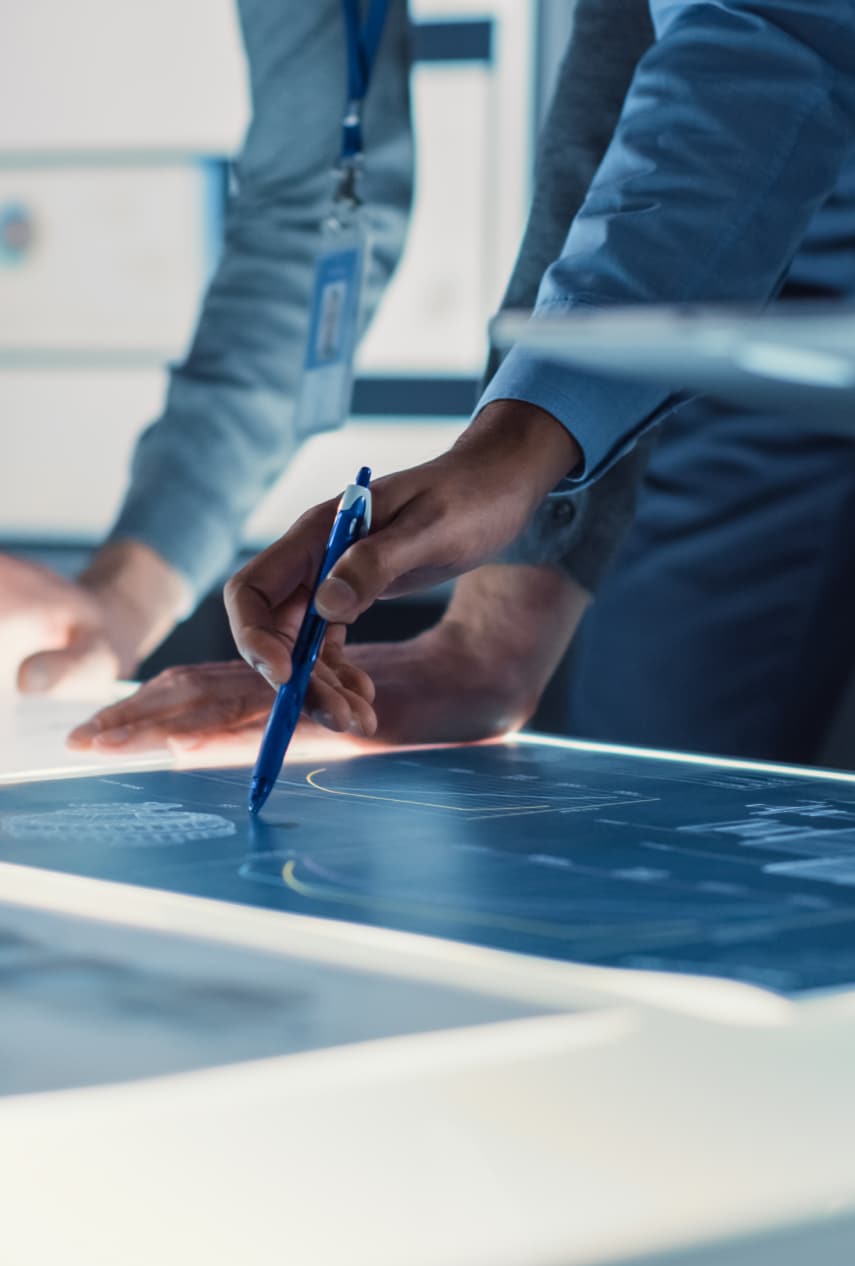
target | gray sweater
[{"x": 227, "y": 430}]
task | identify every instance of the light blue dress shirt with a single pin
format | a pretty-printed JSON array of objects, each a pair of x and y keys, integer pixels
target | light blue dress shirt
[
  {"x": 734, "y": 132},
  {"x": 735, "y": 128},
  {"x": 228, "y": 427}
]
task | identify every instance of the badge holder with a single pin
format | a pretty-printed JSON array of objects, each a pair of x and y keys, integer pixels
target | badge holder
[{"x": 326, "y": 388}]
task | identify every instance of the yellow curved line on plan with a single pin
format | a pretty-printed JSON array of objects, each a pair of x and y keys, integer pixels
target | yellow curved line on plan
[
  {"x": 511, "y": 923},
  {"x": 421, "y": 804},
  {"x": 482, "y": 918}
]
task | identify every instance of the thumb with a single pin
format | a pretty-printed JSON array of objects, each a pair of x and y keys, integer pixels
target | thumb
[
  {"x": 86, "y": 659},
  {"x": 406, "y": 555}
]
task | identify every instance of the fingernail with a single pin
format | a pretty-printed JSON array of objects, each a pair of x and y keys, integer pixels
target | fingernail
[
  {"x": 83, "y": 733},
  {"x": 335, "y": 598},
  {"x": 112, "y": 738},
  {"x": 322, "y": 718},
  {"x": 257, "y": 665},
  {"x": 355, "y": 727}
]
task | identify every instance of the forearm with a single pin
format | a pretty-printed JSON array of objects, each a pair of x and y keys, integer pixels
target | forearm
[
  {"x": 524, "y": 445},
  {"x": 522, "y": 615}
]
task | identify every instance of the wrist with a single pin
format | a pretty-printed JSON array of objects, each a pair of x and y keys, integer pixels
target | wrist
[
  {"x": 139, "y": 595},
  {"x": 534, "y": 444}
]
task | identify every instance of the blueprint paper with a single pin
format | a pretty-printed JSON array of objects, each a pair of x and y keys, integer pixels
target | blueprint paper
[{"x": 588, "y": 856}]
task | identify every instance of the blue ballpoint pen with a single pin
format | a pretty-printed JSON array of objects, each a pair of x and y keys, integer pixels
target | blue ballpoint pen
[{"x": 352, "y": 520}]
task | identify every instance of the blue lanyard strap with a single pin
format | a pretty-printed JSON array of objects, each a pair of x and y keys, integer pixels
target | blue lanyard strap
[{"x": 363, "y": 40}]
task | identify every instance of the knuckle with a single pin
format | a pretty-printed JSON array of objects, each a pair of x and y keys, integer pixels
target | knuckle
[
  {"x": 107, "y": 718},
  {"x": 185, "y": 677},
  {"x": 371, "y": 560},
  {"x": 231, "y": 712},
  {"x": 166, "y": 677},
  {"x": 235, "y": 588},
  {"x": 318, "y": 515},
  {"x": 312, "y": 523}
]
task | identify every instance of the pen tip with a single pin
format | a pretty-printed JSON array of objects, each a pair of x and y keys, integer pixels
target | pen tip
[{"x": 258, "y": 793}]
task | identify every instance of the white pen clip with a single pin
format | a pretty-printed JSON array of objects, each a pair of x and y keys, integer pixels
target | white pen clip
[{"x": 350, "y": 496}]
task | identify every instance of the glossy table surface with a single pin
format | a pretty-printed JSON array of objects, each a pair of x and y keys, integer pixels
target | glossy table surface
[{"x": 305, "y": 1037}]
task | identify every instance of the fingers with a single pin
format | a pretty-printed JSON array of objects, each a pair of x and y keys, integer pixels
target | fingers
[
  {"x": 357, "y": 680},
  {"x": 341, "y": 700},
  {"x": 86, "y": 660},
  {"x": 431, "y": 523},
  {"x": 158, "y": 698},
  {"x": 267, "y": 599},
  {"x": 411, "y": 553},
  {"x": 203, "y": 699},
  {"x": 211, "y": 720},
  {"x": 194, "y": 707},
  {"x": 265, "y": 635},
  {"x": 415, "y": 543}
]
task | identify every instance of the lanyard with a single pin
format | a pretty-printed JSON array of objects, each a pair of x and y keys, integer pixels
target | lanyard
[{"x": 363, "y": 40}]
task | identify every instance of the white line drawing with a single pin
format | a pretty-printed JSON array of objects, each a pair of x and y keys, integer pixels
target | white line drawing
[
  {"x": 829, "y": 870},
  {"x": 124, "y": 824},
  {"x": 493, "y": 799}
]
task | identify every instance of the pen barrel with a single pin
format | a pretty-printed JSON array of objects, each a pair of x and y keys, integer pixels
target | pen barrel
[
  {"x": 285, "y": 713},
  {"x": 308, "y": 643},
  {"x": 286, "y": 710},
  {"x": 280, "y": 727}
]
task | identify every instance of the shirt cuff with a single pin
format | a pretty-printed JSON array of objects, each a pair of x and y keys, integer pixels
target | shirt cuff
[{"x": 604, "y": 415}]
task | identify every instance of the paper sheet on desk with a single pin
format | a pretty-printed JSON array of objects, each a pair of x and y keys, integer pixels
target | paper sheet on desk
[{"x": 33, "y": 730}]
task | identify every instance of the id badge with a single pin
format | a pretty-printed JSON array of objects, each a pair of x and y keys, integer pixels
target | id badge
[{"x": 325, "y": 391}]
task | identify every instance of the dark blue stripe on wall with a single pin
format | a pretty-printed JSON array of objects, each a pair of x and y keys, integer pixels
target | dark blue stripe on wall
[
  {"x": 426, "y": 397},
  {"x": 470, "y": 41}
]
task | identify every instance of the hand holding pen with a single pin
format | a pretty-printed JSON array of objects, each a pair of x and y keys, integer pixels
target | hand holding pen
[
  {"x": 429, "y": 524},
  {"x": 352, "y": 520}
]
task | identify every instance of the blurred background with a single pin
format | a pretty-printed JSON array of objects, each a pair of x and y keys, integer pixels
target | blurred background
[
  {"x": 118, "y": 122},
  {"x": 117, "y": 125}
]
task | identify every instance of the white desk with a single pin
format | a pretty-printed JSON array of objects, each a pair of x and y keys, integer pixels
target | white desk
[{"x": 629, "y": 1116}]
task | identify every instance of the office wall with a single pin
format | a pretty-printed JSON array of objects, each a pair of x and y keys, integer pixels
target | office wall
[
  {"x": 114, "y": 74},
  {"x": 111, "y": 115}
]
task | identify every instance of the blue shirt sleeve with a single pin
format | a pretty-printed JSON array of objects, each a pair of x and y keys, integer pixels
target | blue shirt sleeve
[
  {"x": 228, "y": 428},
  {"x": 733, "y": 132}
]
